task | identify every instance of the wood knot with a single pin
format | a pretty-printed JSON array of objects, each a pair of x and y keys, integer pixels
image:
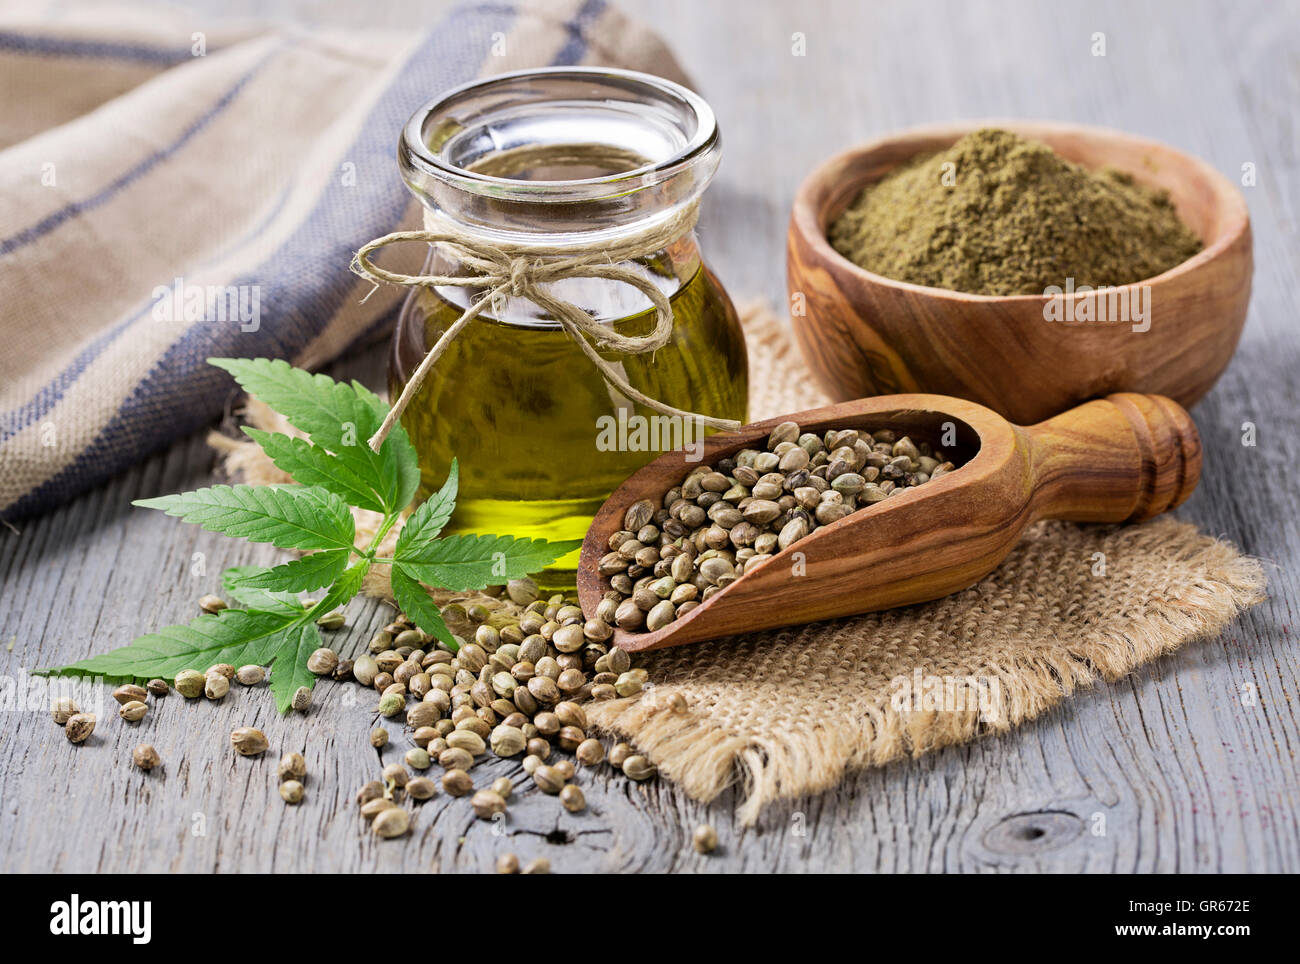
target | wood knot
[{"x": 1033, "y": 832}]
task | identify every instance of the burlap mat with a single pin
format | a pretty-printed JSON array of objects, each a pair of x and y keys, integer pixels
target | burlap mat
[{"x": 790, "y": 712}]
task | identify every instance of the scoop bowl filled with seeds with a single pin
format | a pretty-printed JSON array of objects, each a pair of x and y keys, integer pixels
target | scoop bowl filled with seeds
[{"x": 863, "y": 506}]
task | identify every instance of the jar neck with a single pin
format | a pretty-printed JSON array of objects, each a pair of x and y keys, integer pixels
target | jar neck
[
  {"x": 563, "y": 157},
  {"x": 669, "y": 269}
]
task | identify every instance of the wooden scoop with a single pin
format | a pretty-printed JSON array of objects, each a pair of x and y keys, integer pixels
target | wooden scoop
[{"x": 1120, "y": 459}]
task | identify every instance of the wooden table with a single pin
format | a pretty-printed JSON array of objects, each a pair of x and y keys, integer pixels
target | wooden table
[{"x": 1189, "y": 765}]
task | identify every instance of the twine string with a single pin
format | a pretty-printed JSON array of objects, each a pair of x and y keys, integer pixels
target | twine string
[{"x": 523, "y": 271}]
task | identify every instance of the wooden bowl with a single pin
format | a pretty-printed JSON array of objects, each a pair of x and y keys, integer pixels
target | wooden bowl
[{"x": 863, "y": 334}]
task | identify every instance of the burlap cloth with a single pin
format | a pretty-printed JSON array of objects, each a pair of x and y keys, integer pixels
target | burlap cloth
[{"x": 791, "y": 712}]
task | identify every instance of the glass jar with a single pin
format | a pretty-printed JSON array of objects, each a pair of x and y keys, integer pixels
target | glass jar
[{"x": 541, "y": 437}]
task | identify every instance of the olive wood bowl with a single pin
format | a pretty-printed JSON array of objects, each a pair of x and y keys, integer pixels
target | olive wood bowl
[{"x": 864, "y": 334}]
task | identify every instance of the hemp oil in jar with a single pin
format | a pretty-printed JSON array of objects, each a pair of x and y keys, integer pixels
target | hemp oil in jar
[{"x": 540, "y": 436}]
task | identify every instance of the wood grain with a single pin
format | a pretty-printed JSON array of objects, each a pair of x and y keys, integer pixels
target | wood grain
[
  {"x": 865, "y": 334},
  {"x": 1124, "y": 458},
  {"x": 1188, "y": 766}
]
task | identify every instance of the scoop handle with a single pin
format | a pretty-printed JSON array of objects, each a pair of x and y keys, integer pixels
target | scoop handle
[{"x": 1123, "y": 458}]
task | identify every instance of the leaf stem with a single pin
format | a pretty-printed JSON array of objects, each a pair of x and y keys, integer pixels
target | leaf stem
[{"x": 389, "y": 520}]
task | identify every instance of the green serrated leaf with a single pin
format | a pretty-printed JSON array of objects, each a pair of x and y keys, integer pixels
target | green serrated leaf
[
  {"x": 341, "y": 418},
  {"x": 312, "y": 465},
  {"x": 232, "y": 583},
  {"x": 341, "y": 593},
  {"x": 298, "y": 575},
  {"x": 289, "y": 672},
  {"x": 422, "y": 528},
  {"x": 415, "y": 602},
  {"x": 467, "y": 562},
  {"x": 288, "y": 516},
  {"x": 301, "y": 639},
  {"x": 235, "y": 636}
]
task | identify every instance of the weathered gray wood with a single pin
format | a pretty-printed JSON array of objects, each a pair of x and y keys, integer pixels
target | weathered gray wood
[{"x": 1188, "y": 773}]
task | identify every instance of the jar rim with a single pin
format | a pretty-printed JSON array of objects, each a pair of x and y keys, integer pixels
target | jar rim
[{"x": 415, "y": 154}]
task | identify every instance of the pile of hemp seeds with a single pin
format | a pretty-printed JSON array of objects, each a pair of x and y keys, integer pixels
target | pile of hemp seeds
[
  {"x": 514, "y": 687},
  {"x": 727, "y": 519}
]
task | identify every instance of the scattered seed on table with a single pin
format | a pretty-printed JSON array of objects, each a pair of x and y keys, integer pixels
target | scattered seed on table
[
  {"x": 133, "y": 711},
  {"x": 248, "y": 741},
  {"x": 250, "y": 675},
  {"x": 487, "y": 804},
  {"x": 301, "y": 699},
  {"x": 590, "y": 752},
  {"x": 215, "y": 686},
  {"x": 145, "y": 757},
  {"x": 64, "y": 709},
  {"x": 369, "y": 791},
  {"x": 129, "y": 693},
  {"x": 291, "y": 791},
  {"x": 548, "y": 779},
  {"x": 392, "y": 822},
  {"x": 212, "y": 604},
  {"x": 417, "y": 758},
  {"x": 189, "y": 683},
  {"x": 292, "y": 767},
  {"x": 638, "y": 767},
  {"x": 158, "y": 687},
  {"x": 503, "y": 787},
  {"x": 378, "y": 736},
  {"x": 572, "y": 798},
  {"x": 372, "y": 808},
  {"x": 507, "y": 864},
  {"x": 704, "y": 839},
  {"x": 539, "y": 866},
  {"x": 322, "y": 661},
  {"x": 457, "y": 782},
  {"x": 421, "y": 788},
  {"x": 221, "y": 669},
  {"x": 619, "y": 754},
  {"x": 565, "y": 768},
  {"x": 396, "y": 774},
  {"x": 79, "y": 727},
  {"x": 466, "y": 740},
  {"x": 332, "y": 620}
]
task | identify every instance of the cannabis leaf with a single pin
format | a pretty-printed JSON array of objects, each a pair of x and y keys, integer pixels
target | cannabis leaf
[
  {"x": 334, "y": 470},
  {"x": 472, "y": 562},
  {"x": 288, "y": 516}
]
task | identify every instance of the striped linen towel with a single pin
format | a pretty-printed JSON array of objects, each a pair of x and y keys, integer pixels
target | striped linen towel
[{"x": 143, "y": 160}]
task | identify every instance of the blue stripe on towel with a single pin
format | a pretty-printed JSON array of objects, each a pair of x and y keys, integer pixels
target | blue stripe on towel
[
  {"x": 303, "y": 285},
  {"x": 69, "y": 211},
  {"x": 49, "y": 395},
  {"x": 94, "y": 49},
  {"x": 572, "y": 52}
]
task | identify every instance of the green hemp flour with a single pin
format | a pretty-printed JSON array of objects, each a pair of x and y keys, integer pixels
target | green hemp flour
[{"x": 996, "y": 214}]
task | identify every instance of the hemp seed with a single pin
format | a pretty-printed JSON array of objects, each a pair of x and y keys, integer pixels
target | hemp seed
[
  {"x": 292, "y": 767},
  {"x": 133, "y": 712},
  {"x": 248, "y": 741},
  {"x": 393, "y": 822},
  {"x": 79, "y": 727},
  {"x": 704, "y": 839},
  {"x": 291, "y": 791}
]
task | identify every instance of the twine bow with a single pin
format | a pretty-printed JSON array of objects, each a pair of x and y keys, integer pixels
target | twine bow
[{"x": 524, "y": 271}]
